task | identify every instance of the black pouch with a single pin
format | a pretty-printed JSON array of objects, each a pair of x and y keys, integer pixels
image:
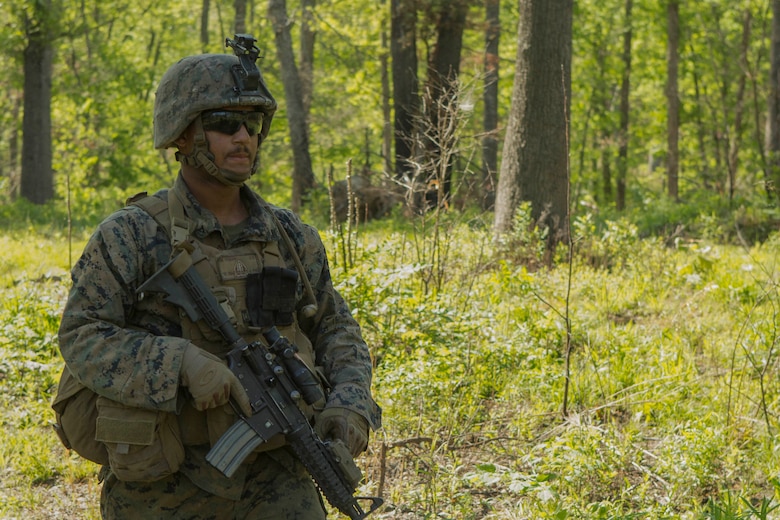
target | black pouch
[{"x": 270, "y": 296}]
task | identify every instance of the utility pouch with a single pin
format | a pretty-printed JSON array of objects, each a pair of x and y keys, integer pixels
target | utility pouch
[
  {"x": 75, "y": 413},
  {"x": 142, "y": 445},
  {"x": 270, "y": 296}
]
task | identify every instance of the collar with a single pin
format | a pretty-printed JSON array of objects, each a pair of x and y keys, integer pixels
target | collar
[{"x": 260, "y": 226}]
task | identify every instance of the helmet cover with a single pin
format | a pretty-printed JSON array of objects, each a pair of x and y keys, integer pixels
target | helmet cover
[{"x": 205, "y": 82}]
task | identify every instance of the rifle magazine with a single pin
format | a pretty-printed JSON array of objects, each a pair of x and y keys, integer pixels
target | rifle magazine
[{"x": 233, "y": 448}]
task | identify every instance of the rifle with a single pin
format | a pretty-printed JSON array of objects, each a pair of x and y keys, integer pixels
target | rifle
[{"x": 275, "y": 379}]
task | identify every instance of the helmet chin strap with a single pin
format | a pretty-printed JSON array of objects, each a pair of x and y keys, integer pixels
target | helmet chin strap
[{"x": 201, "y": 157}]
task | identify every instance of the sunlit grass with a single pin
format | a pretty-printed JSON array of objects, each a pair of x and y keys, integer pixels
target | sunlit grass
[{"x": 673, "y": 394}]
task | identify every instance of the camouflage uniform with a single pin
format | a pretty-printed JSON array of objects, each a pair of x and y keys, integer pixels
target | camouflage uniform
[
  {"x": 129, "y": 350},
  {"x": 279, "y": 489}
]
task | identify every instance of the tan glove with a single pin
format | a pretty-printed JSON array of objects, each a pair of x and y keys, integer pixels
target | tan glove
[
  {"x": 345, "y": 425},
  {"x": 210, "y": 381}
]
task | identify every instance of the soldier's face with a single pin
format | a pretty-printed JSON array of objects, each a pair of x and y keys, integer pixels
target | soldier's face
[{"x": 233, "y": 152}]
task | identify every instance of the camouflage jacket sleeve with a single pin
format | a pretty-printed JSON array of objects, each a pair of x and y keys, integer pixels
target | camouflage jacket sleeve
[
  {"x": 109, "y": 342},
  {"x": 334, "y": 333}
]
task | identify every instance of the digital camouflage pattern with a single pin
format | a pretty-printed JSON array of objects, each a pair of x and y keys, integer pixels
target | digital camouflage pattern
[
  {"x": 130, "y": 350},
  {"x": 280, "y": 490},
  {"x": 198, "y": 83}
]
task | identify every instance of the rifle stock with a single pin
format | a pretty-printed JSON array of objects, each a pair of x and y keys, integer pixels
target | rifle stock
[{"x": 275, "y": 380}]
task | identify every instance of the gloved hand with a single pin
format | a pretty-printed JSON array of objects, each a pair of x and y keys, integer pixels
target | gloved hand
[
  {"x": 210, "y": 381},
  {"x": 345, "y": 425}
]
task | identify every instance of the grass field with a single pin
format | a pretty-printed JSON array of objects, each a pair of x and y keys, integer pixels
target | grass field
[{"x": 641, "y": 381}]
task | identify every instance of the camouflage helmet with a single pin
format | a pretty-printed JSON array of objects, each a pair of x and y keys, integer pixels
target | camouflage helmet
[{"x": 204, "y": 82}]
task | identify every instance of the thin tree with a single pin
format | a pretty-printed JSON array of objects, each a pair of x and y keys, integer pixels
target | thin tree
[
  {"x": 240, "y": 23},
  {"x": 442, "y": 82},
  {"x": 772, "y": 175},
  {"x": 625, "y": 109},
  {"x": 303, "y": 176},
  {"x": 387, "y": 125},
  {"x": 403, "y": 52},
  {"x": 701, "y": 126},
  {"x": 672, "y": 99},
  {"x": 14, "y": 141},
  {"x": 735, "y": 137},
  {"x": 534, "y": 164},
  {"x": 490, "y": 101},
  {"x": 204, "y": 25},
  {"x": 308, "y": 37},
  {"x": 37, "y": 178}
]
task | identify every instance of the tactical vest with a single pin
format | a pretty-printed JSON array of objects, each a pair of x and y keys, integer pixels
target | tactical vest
[{"x": 254, "y": 286}]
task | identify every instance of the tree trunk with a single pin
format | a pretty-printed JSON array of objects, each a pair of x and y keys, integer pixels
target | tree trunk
[
  {"x": 303, "y": 177},
  {"x": 240, "y": 8},
  {"x": 444, "y": 62},
  {"x": 442, "y": 92},
  {"x": 534, "y": 164},
  {"x": 625, "y": 89},
  {"x": 672, "y": 99},
  {"x": 37, "y": 182},
  {"x": 403, "y": 52},
  {"x": 732, "y": 159},
  {"x": 772, "y": 176},
  {"x": 606, "y": 171},
  {"x": 13, "y": 144},
  {"x": 204, "y": 25},
  {"x": 701, "y": 133},
  {"x": 490, "y": 100},
  {"x": 308, "y": 35},
  {"x": 387, "y": 126}
]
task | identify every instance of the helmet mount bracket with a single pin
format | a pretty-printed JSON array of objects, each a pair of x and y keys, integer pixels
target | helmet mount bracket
[{"x": 246, "y": 73}]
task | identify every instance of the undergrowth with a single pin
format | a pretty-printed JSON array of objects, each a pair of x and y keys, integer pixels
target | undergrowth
[{"x": 673, "y": 403}]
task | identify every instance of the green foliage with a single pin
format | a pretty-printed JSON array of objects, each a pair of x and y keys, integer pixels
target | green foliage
[
  {"x": 526, "y": 243},
  {"x": 734, "y": 507},
  {"x": 109, "y": 58},
  {"x": 673, "y": 401},
  {"x": 672, "y": 404},
  {"x": 471, "y": 378},
  {"x": 34, "y": 284}
]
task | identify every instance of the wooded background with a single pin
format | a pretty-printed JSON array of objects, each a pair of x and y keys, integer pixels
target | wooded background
[
  {"x": 633, "y": 101},
  {"x": 635, "y": 378}
]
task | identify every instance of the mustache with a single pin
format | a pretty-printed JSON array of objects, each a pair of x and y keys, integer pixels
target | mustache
[{"x": 240, "y": 149}]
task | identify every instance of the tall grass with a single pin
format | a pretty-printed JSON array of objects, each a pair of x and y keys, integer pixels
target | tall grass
[
  {"x": 39, "y": 478},
  {"x": 673, "y": 405}
]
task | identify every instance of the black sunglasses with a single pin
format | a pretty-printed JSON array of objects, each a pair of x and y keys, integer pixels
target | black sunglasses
[{"x": 229, "y": 122}]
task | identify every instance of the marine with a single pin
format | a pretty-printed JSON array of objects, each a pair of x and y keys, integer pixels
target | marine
[{"x": 145, "y": 391}]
